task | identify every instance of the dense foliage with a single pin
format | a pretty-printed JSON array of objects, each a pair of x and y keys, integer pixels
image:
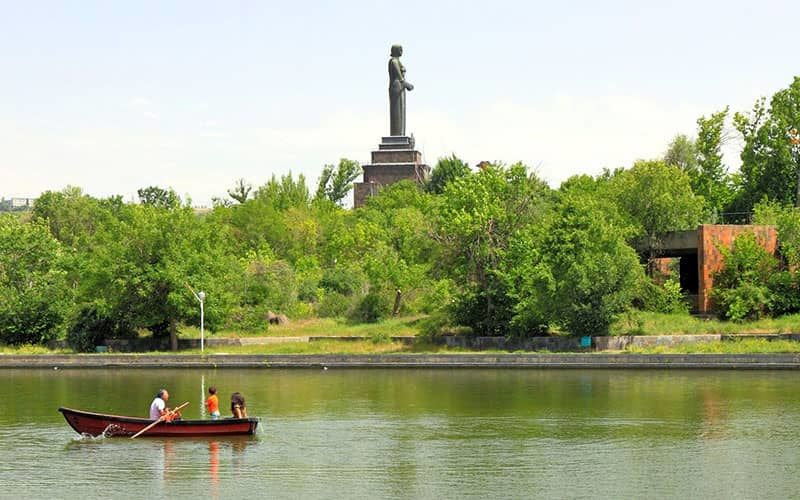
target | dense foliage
[
  {"x": 495, "y": 249},
  {"x": 34, "y": 295}
]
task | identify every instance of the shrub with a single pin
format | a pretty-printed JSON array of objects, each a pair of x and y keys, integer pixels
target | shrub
[
  {"x": 748, "y": 301},
  {"x": 89, "y": 329},
  {"x": 437, "y": 296},
  {"x": 433, "y": 326},
  {"x": 341, "y": 280},
  {"x": 249, "y": 319},
  {"x": 380, "y": 337},
  {"x": 29, "y": 319},
  {"x": 486, "y": 312},
  {"x": 271, "y": 284},
  {"x": 334, "y": 305},
  {"x": 301, "y": 310},
  {"x": 307, "y": 290},
  {"x": 373, "y": 307},
  {"x": 785, "y": 288},
  {"x": 667, "y": 298},
  {"x": 741, "y": 287}
]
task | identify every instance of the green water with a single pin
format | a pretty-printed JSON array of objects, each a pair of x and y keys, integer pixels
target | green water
[{"x": 415, "y": 434}]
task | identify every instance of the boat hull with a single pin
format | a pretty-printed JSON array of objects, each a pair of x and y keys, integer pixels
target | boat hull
[{"x": 96, "y": 424}]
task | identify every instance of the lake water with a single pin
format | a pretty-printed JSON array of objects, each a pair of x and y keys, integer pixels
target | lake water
[{"x": 448, "y": 433}]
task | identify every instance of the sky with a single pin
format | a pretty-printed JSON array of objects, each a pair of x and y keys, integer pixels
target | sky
[{"x": 112, "y": 96}]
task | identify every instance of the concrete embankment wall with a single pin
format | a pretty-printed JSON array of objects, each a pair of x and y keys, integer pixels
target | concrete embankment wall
[
  {"x": 606, "y": 343},
  {"x": 149, "y": 344},
  {"x": 552, "y": 344},
  {"x": 576, "y": 360}
]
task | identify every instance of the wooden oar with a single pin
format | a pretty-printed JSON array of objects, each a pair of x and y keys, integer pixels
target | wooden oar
[{"x": 160, "y": 419}]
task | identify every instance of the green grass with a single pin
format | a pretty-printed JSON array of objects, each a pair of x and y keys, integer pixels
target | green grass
[
  {"x": 319, "y": 327},
  {"x": 338, "y": 347},
  {"x": 646, "y": 323},
  {"x": 744, "y": 346},
  {"x": 330, "y": 347},
  {"x": 32, "y": 349},
  {"x": 322, "y": 347}
]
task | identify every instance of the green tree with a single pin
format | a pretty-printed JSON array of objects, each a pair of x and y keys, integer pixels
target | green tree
[
  {"x": 478, "y": 216},
  {"x": 771, "y": 153},
  {"x": 137, "y": 269},
  {"x": 711, "y": 180},
  {"x": 682, "y": 153},
  {"x": 240, "y": 191},
  {"x": 71, "y": 215},
  {"x": 578, "y": 270},
  {"x": 655, "y": 198},
  {"x": 446, "y": 170},
  {"x": 34, "y": 295},
  {"x": 336, "y": 181},
  {"x": 284, "y": 193},
  {"x": 159, "y": 197},
  {"x": 786, "y": 219}
]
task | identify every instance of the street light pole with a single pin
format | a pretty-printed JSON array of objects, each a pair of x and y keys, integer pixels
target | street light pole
[{"x": 201, "y": 296}]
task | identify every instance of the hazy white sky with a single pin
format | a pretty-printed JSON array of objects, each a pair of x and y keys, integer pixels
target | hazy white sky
[{"x": 112, "y": 96}]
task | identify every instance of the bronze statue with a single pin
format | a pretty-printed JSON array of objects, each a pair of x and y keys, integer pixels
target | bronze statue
[{"x": 397, "y": 93}]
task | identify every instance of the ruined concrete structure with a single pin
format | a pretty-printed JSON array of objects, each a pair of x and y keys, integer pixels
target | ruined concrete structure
[{"x": 699, "y": 257}]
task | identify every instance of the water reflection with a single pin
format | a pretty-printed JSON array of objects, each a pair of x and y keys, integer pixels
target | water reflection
[
  {"x": 213, "y": 467},
  {"x": 225, "y": 456},
  {"x": 715, "y": 414},
  {"x": 167, "y": 458}
]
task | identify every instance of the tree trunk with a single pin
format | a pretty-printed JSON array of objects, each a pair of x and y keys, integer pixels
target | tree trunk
[
  {"x": 397, "y": 298},
  {"x": 173, "y": 335}
]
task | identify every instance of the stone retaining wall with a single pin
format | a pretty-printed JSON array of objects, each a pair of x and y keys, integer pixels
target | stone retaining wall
[
  {"x": 552, "y": 344},
  {"x": 619, "y": 343},
  {"x": 327, "y": 361}
]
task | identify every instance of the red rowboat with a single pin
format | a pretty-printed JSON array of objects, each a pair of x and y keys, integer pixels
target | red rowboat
[{"x": 95, "y": 424}]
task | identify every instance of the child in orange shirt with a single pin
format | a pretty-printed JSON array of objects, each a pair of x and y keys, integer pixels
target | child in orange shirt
[{"x": 212, "y": 403}]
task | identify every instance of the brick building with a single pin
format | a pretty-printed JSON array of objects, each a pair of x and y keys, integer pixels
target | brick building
[{"x": 698, "y": 256}]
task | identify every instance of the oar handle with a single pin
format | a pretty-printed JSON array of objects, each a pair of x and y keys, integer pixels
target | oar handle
[
  {"x": 181, "y": 407},
  {"x": 160, "y": 419}
]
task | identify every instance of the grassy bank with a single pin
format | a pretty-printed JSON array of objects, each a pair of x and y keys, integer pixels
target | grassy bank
[
  {"x": 331, "y": 347},
  {"x": 646, "y": 323},
  {"x": 637, "y": 323},
  {"x": 320, "y": 327},
  {"x": 744, "y": 346},
  {"x": 32, "y": 349}
]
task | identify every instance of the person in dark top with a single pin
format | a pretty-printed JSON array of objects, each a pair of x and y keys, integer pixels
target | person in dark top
[{"x": 238, "y": 408}]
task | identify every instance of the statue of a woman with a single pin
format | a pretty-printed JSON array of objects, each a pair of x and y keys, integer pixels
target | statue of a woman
[{"x": 397, "y": 93}]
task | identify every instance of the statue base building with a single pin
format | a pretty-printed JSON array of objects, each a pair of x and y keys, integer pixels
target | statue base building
[{"x": 395, "y": 160}]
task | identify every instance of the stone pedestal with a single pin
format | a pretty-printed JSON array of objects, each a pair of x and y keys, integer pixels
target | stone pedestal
[{"x": 396, "y": 159}]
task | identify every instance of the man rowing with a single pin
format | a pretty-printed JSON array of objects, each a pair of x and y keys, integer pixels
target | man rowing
[{"x": 158, "y": 408}]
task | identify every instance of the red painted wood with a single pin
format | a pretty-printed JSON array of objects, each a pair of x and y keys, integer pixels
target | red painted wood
[{"x": 95, "y": 424}]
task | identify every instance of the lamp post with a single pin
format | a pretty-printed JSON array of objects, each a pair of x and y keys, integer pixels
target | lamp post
[{"x": 201, "y": 296}]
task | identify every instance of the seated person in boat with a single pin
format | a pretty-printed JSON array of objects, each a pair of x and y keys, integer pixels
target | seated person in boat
[
  {"x": 238, "y": 408},
  {"x": 158, "y": 408},
  {"x": 212, "y": 403}
]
